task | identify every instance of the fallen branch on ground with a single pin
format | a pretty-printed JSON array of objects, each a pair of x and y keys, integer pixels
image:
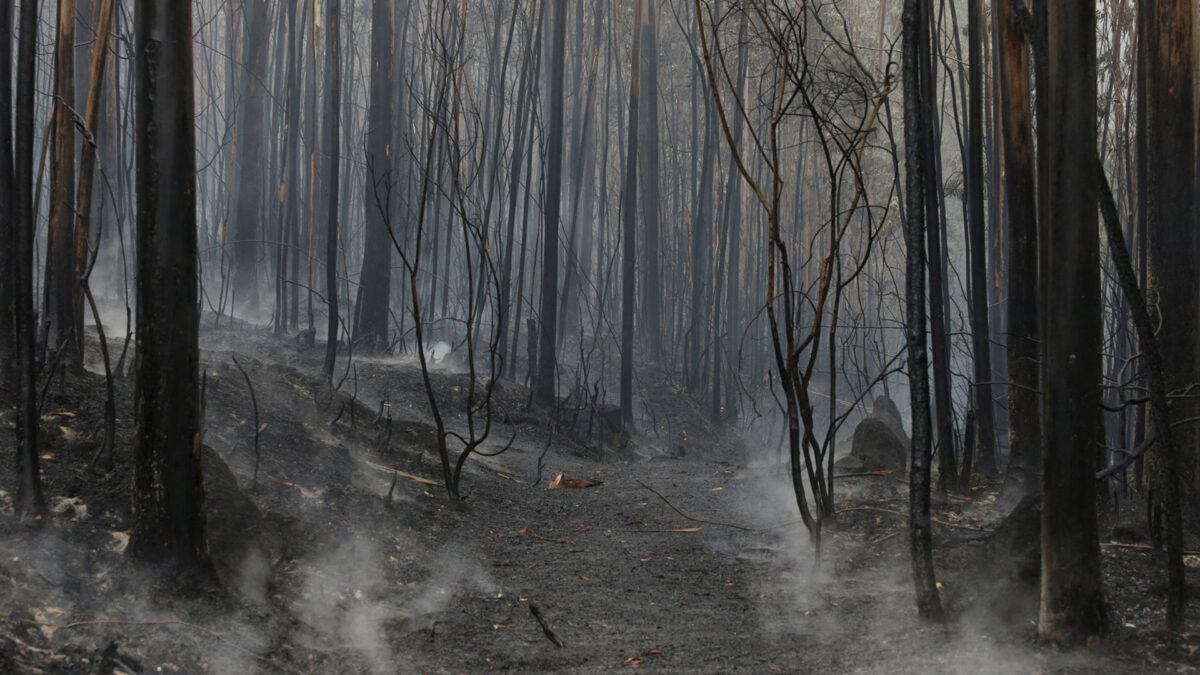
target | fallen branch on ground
[
  {"x": 402, "y": 474},
  {"x": 682, "y": 530},
  {"x": 537, "y": 614},
  {"x": 862, "y": 474},
  {"x": 1138, "y": 547},
  {"x": 699, "y": 520}
]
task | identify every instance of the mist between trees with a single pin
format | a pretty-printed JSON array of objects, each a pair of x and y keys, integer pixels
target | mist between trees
[{"x": 789, "y": 213}]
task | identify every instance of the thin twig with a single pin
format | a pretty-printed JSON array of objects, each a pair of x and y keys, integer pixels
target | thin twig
[
  {"x": 1138, "y": 547},
  {"x": 254, "y": 401},
  {"x": 700, "y": 520},
  {"x": 537, "y": 614}
]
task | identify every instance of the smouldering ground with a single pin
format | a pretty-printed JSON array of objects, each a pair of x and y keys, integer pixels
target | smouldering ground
[{"x": 322, "y": 573}]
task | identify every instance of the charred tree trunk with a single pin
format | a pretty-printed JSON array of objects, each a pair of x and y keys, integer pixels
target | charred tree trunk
[
  {"x": 980, "y": 344},
  {"x": 372, "y": 326},
  {"x": 648, "y": 176},
  {"x": 919, "y": 522},
  {"x": 287, "y": 230},
  {"x": 629, "y": 224},
  {"x": 544, "y": 387},
  {"x": 168, "y": 489},
  {"x": 8, "y": 217},
  {"x": 943, "y": 408},
  {"x": 251, "y": 166},
  {"x": 60, "y": 252},
  {"x": 333, "y": 112},
  {"x": 701, "y": 254},
  {"x": 29, "y": 502},
  {"x": 1168, "y": 127},
  {"x": 1072, "y": 605},
  {"x": 1020, "y": 209}
]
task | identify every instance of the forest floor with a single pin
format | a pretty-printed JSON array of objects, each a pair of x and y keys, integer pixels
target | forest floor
[{"x": 332, "y": 562}]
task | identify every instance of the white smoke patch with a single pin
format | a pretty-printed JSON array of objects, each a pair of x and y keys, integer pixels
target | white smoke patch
[
  {"x": 341, "y": 597},
  {"x": 349, "y": 602},
  {"x": 453, "y": 574},
  {"x": 437, "y": 352}
]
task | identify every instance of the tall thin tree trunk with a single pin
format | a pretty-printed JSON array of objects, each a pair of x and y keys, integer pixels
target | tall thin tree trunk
[
  {"x": 1020, "y": 210},
  {"x": 29, "y": 501},
  {"x": 289, "y": 179},
  {"x": 60, "y": 253},
  {"x": 980, "y": 344},
  {"x": 8, "y": 220},
  {"x": 920, "y": 527},
  {"x": 629, "y": 224},
  {"x": 381, "y": 186},
  {"x": 651, "y": 290},
  {"x": 251, "y": 162},
  {"x": 544, "y": 388},
  {"x": 333, "y": 112},
  {"x": 944, "y": 438}
]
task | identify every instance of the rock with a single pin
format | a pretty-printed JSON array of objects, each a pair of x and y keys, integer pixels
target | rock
[
  {"x": 306, "y": 339},
  {"x": 234, "y": 526},
  {"x": 885, "y": 409},
  {"x": 879, "y": 442},
  {"x": 874, "y": 448}
]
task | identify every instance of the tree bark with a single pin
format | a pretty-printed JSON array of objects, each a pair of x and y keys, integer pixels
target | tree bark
[
  {"x": 1020, "y": 209},
  {"x": 8, "y": 221},
  {"x": 1072, "y": 606},
  {"x": 980, "y": 344},
  {"x": 60, "y": 253},
  {"x": 333, "y": 111},
  {"x": 629, "y": 222},
  {"x": 651, "y": 290},
  {"x": 29, "y": 501},
  {"x": 1168, "y": 127},
  {"x": 373, "y": 319},
  {"x": 286, "y": 230},
  {"x": 544, "y": 388},
  {"x": 168, "y": 489},
  {"x": 919, "y": 523},
  {"x": 934, "y": 202},
  {"x": 251, "y": 165}
]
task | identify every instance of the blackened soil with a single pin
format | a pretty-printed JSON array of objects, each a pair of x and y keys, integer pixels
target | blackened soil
[{"x": 685, "y": 560}]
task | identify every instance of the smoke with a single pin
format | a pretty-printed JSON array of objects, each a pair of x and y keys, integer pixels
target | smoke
[
  {"x": 452, "y": 574},
  {"x": 350, "y": 599},
  {"x": 340, "y": 593}
]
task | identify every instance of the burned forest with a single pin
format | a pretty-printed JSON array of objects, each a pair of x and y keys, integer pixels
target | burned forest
[{"x": 696, "y": 336}]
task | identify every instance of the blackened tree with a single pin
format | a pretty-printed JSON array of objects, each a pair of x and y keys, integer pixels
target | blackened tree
[
  {"x": 1072, "y": 605},
  {"x": 372, "y": 311},
  {"x": 168, "y": 489}
]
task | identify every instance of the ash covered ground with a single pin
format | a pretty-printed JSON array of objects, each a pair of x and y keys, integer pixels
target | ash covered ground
[{"x": 345, "y": 555}]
